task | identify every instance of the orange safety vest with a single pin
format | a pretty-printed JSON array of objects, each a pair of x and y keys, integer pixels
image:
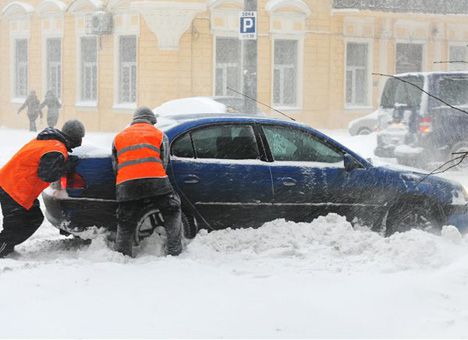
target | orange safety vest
[
  {"x": 19, "y": 179},
  {"x": 138, "y": 150}
]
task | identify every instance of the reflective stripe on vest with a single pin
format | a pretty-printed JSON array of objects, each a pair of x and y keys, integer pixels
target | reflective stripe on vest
[
  {"x": 138, "y": 150},
  {"x": 19, "y": 179}
]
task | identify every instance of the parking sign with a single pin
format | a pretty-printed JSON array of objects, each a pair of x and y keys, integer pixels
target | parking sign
[{"x": 248, "y": 25}]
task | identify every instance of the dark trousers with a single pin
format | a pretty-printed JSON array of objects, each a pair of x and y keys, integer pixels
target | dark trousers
[
  {"x": 18, "y": 223},
  {"x": 130, "y": 213},
  {"x": 32, "y": 124}
]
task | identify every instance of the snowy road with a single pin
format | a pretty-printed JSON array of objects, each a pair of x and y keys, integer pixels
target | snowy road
[{"x": 322, "y": 279}]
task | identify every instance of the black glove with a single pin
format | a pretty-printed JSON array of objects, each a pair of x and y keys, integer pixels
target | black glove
[{"x": 71, "y": 164}]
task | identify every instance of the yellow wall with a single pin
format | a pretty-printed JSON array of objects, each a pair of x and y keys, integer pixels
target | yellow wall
[{"x": 188, "y": 71}]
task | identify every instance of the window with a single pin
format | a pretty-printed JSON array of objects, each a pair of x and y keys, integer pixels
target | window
[
  {"x": 298, "y": 146},
  {"x": 409, "y": 57},
  {"x": 88, "y": 69},
  {"x": 228, "y": 66},
  {"x": 285, "y": 73},
  {"x": 357, "y": 74},
  {"x": 54, "y": 65},
  {"x": 219, "y": 142},
  {"x": 21, "y": 68},
  {"x": 397, "y": 92},
  {"x": 182, "y": 147},
  {"x": 457, "y": 54},
  {"x": 127, "y": 69}
]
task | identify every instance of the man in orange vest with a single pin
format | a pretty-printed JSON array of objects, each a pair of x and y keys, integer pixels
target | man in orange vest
[
  {"x": 40, "y": 162},
  {"x": 140, "y": 153}
]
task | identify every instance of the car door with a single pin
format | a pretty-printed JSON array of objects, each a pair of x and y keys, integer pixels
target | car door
[
  {"x": 219, "y": 170},
  {"x": 308, "y": 174}
]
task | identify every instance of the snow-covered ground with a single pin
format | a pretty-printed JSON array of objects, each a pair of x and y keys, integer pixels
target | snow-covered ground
[{"x": 322, "y": 279}]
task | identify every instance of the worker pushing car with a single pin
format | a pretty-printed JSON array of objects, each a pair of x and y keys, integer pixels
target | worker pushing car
[
  {"x": 140, "y": 155},
  {"x": 37, "y": 164}
]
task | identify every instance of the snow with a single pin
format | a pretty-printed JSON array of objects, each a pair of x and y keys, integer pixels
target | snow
[
  {"x": 189, "y": 105},
  {"x": 283, "y": 280}
]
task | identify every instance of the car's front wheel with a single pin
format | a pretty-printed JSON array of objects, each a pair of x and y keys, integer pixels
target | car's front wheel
[{"x": 407, "y": 215}]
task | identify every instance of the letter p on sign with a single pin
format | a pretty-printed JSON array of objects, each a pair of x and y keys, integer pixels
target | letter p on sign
[{"x": 248, "y": 25}]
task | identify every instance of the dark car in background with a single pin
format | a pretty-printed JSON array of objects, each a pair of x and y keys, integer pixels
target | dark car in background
[
  {"x": 423, "y": 129},
  {"x": 244, "y": 170}
]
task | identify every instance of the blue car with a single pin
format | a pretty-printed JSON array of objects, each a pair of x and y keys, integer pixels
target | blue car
[{"x": 242, "y": 171}]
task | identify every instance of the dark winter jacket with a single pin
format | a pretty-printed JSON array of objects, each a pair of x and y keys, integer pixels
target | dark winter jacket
[
  {"x": 52, "y": 165},
  {"x": 52, "y": 103},
  {"x": 32, "y": 103},
  {"x": 145, "y": 187}
]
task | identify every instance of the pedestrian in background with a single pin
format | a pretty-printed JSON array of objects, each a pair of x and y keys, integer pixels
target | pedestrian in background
[
  {"x": 53, "y": 105},
  {"x": 32, "y": 103}
]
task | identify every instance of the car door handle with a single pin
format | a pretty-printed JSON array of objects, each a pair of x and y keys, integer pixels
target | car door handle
[
  {"x": 288, "y": 181},
  {"x": 191, "y": 179}
]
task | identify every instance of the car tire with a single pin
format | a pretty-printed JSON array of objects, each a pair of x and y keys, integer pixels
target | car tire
[
  {"x": 460, "y": 147},
  {"x": 364, "y": 131},
  {"x": 413, "y": 214},
  {"x": 152, "y": 221}
]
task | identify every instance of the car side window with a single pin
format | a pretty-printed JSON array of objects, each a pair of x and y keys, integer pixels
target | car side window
[
  {"x": 182, "y": 147},
  {"x": 226, "y": 142},
  {"x": 288, "y": 144}
]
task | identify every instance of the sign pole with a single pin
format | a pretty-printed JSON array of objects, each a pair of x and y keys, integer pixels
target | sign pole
[{"x": 249, "y": 71}]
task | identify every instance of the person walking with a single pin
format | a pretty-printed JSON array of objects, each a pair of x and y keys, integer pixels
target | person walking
[
  {"x": 38, "y": 163},
  {"x": 140, "y": 155},
  {"x": 32, "y": 103},
  {"x": 53, "y": 105}
]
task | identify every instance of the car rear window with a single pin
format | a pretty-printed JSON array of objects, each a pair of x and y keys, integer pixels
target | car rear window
[
  {"x": 397, "y": 92},
  {"x": 453, "y": 90}
]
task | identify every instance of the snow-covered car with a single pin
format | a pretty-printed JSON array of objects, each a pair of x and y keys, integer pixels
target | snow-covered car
[
  {"x": 245, "y": 170},
  {"x": 201, "y": 106},
  {"x": 364, "y": 125},
  {"x": 423, "y": 129}
]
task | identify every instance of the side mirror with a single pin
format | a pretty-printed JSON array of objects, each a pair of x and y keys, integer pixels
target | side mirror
[{"x": 350, "y": 163}]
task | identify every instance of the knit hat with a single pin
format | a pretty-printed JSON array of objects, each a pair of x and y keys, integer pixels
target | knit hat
[
  {"x": 144, "y": 115},
  {"x": 74, "y": 131}
]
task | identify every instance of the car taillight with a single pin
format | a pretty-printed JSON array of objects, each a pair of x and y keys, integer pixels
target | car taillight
[
  {"x": 425, "y": 125},
  {"x": 72, "y": 181}
]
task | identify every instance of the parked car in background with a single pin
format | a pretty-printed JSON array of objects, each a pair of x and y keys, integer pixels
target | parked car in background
[
  {"x": 423, "y": 129},
  {"x": 244, "y": 170},
  {"x": 438, "y": 131},
  {"x": 364, "y": 125},
  {"x": 397, "y": 103}
]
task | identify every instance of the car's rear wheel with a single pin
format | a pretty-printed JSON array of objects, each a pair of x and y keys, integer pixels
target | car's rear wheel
[
  {"x": 406, "y": 215},
  {"x": 152, "y": 221},
  {"x": 364, "y": 131}
]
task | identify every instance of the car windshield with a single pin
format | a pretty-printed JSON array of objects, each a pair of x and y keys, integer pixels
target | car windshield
[{"x": 397, "y": 92}]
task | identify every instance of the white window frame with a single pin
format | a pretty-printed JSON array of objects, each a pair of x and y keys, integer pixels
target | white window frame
[
  {"x": 415, "y": 42},
  {"x": 14, "y": 76},
  {"x": 80, "y": 102},
  {"x": 450, "y": 67},
  {"x": 228, "y": 36},
  {"x": 370, "y": 65},
  {"x": 45, "y": 80},
  {"x": 117, "y": 103},
  {"x": 300, "y": 71}
]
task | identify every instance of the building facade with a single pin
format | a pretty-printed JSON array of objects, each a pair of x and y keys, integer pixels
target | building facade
[{"x": 316, "y": 58}]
